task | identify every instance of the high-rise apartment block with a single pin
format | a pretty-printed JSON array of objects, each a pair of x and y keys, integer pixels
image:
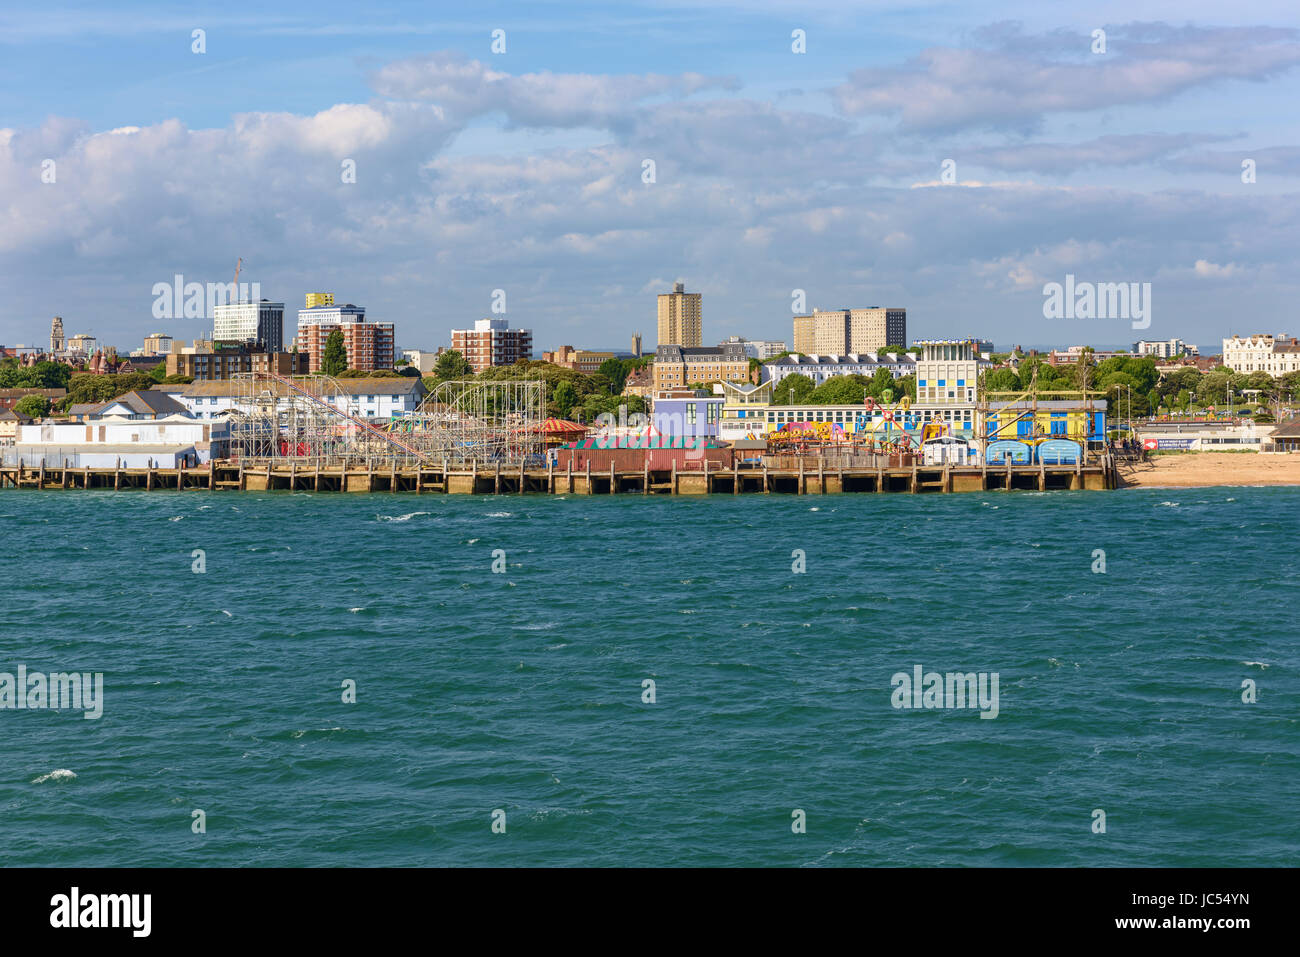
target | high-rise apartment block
[
  {"x": 680, "y": 317},
  {"x": 250, "y": 323},
  {"x": 492, "y": 343},
  {"x": 849, "y": 331},
  {"x": 370, "y": 345}
]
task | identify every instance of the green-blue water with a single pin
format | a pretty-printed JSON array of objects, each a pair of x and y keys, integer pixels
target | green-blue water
[{"x": 522, "y": 691}]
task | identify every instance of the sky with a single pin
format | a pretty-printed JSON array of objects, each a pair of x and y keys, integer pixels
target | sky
[{"x": 949, "y": 158}]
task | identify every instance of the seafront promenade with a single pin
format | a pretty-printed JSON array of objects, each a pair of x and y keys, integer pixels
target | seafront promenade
[{"x": 811, "y": 477}]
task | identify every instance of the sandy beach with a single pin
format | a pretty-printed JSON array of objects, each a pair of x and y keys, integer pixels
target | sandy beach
[{"x": 1194, "y": 469}]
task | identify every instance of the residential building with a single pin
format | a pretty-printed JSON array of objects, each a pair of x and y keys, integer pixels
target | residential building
[
  {"x": 639, "y": 382},
  {"x": 805, "y": 334},
  {"x": 10, "y": 397},
  {"x": 841, "y": 331},
  {"x": 225, "y": 362},
  {"x": 680, "y": 317},
  {"x": 260, "y": 323},
  {"x": 492, "y": 343},
  {"x": 1276, "y": 355},
  {"x": 679, "y": 366},
  {"x": 315, "y": 299},
  {"x": 82, "y": 345},
  {"x": 1164, "y": 348},
  {"x": 819, "y": 368},
  {"x": 422, "y": 359},
  {"x": 9, "y": 422},
  {"x": 369, "y": 398},
  {"x": 158, "y": 344},
  {"x": 369, "y": 345},
  {"x": 759, "y": 349}
]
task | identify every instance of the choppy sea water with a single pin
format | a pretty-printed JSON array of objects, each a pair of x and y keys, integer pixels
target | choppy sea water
[{"x": 522, "y": 691}]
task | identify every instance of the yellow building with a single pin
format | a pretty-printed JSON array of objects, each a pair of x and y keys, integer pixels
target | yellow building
[
  {"x": 677, "y": 367},
  {"x": 315, "y": 299},
  {"x": 680, "y": 322}
]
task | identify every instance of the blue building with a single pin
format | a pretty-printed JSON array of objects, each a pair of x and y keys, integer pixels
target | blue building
[{"x": 692, "y": 416}]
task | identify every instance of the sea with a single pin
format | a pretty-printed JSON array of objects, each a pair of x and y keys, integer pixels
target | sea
[{"x": 389, "y": 679}]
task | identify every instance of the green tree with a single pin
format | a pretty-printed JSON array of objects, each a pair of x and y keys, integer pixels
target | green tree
[
  {"x": 335, "y": 360},
  {"x": 452, "y": 365},
  {"x": 616, "y": 371},
  {"x": 564, "y": 397},
  {"x": 839, "y": 390},
  {"x": 1002, "y": 380},
  {"x": 33, "y": 406},
  {"x": 793, "y": 389}
]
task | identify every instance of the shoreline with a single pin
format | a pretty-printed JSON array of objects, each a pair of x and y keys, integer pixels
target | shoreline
[{"x": 1210, "y": 469}]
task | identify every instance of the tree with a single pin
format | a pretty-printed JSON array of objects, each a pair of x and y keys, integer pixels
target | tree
[
  {"x": 616, "y": 372},
  {"x": 564, "y": 397},
  {"x": 839, "y": 390},
  {"x": 793, "y": 389},
  {"x": 1002, "y": 380},
  {"x": 159, "y": 372},
  {"x": 33, "y": 406},
  {"x": 335, "y": 360},
  {"x": 452, "y": 365}
]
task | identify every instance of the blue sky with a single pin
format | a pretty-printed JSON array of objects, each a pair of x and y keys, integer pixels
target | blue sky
[{"x": 775, "y": 171}]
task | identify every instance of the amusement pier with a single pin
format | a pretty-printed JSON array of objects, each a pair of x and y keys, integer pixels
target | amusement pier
[{"x": 265, "y": 432}]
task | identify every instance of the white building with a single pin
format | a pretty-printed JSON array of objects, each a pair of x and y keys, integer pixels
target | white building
[
  {"x": 366, "y": 398},
  {"x": 1262, "y": 353},
  {"x": 819, "y": 368},
  {"x": 759, "y": 349},
  {"x": 135, "y": 430},
  {"x": 261, "y": 322},
  {"x": 1164, "y": 348}
]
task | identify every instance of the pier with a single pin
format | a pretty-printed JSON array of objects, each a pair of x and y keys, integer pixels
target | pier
[{"x": 812, "y": 477}]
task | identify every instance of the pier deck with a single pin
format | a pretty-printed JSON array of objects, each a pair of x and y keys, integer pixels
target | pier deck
[{"x": 812, "y": 479}]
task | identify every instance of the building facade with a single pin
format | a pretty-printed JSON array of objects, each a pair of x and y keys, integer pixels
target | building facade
[
  {"x": 819, "y": 368},
  {"x": 314, "y": 299},
  {"x": 1164, "y": 348},
  {"x": 947, "y": 372},
  {"x": 1276, "y": 355},
  {"x": 367, "y": 398},
  {"x": 254, "y": 323},
  {"x": 492, "y": 343},
  {"x": 680, "y": 317},
  {"x": 759, "y": 349},
  {"x": 743, "y": 408},
  {"x": 223, "y": 363},
  {"x": 370, "y": 346},
  {"x": 841, "y": 331},
  {"x": 676, "y": 366},
  {"x": 690, "y": 416}
]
